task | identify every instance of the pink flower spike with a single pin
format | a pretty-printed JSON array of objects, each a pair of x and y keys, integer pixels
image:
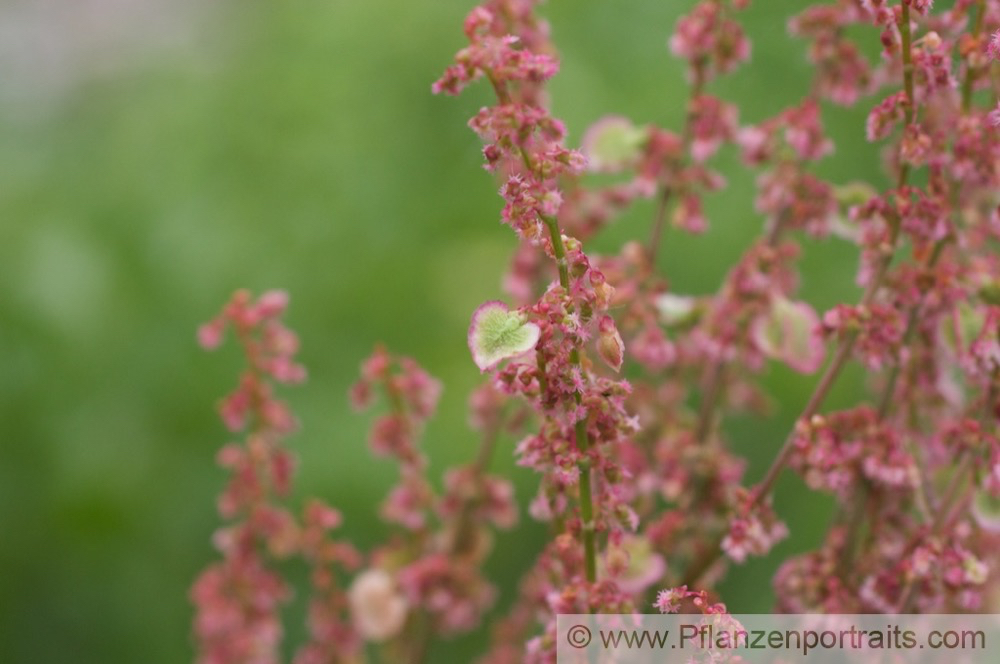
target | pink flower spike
[{"x": 496, "y": 334}]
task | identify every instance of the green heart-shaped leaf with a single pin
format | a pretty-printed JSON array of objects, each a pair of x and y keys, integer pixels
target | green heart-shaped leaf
[
  {"x": 496, "y": 333},
  {"x": 788, "y": 332},
  {"x": 612, "y": 143}
]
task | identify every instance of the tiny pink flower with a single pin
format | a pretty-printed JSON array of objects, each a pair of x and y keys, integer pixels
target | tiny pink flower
[
  {"x": 688, "y": 214},
  {"x": 272, "y": 303},
  {"x": 753, "y": 534},
  {"x": 210, "y": 334},
  {"x": 669, "y": 599},
  {"x": 993, "y": 46},
  {"x": 994, "y": 115},
  {"x": 884, "y": 117},
  {"x": 322, "y": 515}
]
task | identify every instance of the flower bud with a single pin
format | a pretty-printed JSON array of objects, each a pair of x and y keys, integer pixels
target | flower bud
[{"x": 610, "y": 344}]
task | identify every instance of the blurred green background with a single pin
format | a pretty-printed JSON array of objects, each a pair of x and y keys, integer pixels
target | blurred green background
[{"x": 296, "y": 145}]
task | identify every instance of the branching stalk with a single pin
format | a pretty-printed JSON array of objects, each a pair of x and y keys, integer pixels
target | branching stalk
[{"x": 835, "y": 367}]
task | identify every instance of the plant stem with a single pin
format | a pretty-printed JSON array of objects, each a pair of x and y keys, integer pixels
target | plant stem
[
  {"x": 708, "y": 402},
  {"x": 911, "y": 328},
  {"x": 703, "y": 563},
  {"x": 909, "y": 595},
  {"x": 855, "y": 519},
  {"x": 815, "y": 401},
  {"x": 462, "y": 540},
  {"x": 559, "y": 249},
  {"x": 580, "y": 427},
  {"x": 659, "y": 222},
  {"x": 908, "y": 109},
  {"x": 970, "y": 73},
  {"x": 586, "y": 505},
  {"x": 421, "y": 639},
  {"x": 717, "y": 373}
]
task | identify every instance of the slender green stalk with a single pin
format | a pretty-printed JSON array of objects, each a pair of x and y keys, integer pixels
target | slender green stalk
[
  {"x": 580, "y": 428},
  {"x": 708, "y": 402},
  {"x": 909, "y": 332},
  {"x": 908, "y": 109},
  {"x": 659, "y": 222},
  {"x": 586, "y": 505},
  {"x": 559, "y": 249},
  {"x": 971, "y": 73},
  {"x": 717, "y": 374}
]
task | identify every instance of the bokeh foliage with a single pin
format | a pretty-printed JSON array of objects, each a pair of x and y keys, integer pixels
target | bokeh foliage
[{"x": 297, "y": 145}]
